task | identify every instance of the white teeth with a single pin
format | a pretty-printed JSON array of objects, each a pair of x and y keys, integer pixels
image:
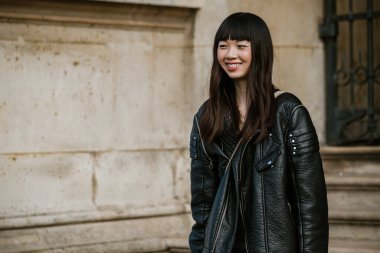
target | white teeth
[{"x": 232, "y": 65}]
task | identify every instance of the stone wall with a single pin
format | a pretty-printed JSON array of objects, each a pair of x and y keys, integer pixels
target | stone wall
[{"x": 96, "y": 105}]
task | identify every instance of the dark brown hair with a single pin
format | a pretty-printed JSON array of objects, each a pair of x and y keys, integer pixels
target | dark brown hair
[{"x": 222, "y": 103}]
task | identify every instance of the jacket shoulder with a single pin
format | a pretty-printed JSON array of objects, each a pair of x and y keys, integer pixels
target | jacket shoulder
[
  {"x": 201, "y": 109},
  {"x": 286, "y": 103}
]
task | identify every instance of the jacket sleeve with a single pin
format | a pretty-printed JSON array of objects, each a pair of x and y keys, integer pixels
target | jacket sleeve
[
  {"x": 204, "y": 182},
  {"x": 309, "y": 183}
]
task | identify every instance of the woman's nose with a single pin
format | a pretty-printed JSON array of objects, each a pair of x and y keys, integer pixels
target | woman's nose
[{"x": 232, "y": 52}]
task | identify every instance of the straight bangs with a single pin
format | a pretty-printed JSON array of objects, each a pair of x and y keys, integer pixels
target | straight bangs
[{"x": 235, "y": 29}]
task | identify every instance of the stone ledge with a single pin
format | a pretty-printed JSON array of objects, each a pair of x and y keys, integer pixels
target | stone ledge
[
  {"x": 353, "y": 216},
  {"x": 352, "y": 181},
  {"x": 108, "y": 214},
  {"x": 358, "y": 152},
  {"x": 174, "y": 3},
  {"x": 178, "y": 245},
  {"x": 128, "y": 14},
  {"x": 171, "y": 245},
  {"x": 350, "y": 246}
]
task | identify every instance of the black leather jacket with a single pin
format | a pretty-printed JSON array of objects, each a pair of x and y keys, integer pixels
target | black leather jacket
[{"x": 286, "y": 208}]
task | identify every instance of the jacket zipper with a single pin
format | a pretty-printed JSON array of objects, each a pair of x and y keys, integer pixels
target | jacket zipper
[
  {"x": 220, "y": 222},
  {"x": 241, "y": 197},
  {"x": 203, "y": 145},
  {"x": 243, "y": 221},
  {"x": 226, "y": 203},
  {"x": 263, "y": 201},
  {"x": 225, "y": 207}
]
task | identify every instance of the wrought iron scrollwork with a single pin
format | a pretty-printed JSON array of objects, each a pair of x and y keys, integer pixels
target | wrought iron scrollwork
[
  {"x": 352, "y": 81},
  {"x": 358, "y": 75}
]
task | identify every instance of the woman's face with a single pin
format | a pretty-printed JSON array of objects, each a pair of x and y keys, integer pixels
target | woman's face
[{"x": 235, "y": 58}]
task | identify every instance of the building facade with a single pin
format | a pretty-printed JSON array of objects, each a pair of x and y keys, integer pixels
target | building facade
[{"x": 96, "y": 105}]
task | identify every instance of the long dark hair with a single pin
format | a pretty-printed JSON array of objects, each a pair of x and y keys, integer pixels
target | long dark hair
[{"x": 222, "y": 103}]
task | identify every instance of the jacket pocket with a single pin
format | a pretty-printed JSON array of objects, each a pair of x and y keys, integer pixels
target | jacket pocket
[{"x": 269, "y": 160}]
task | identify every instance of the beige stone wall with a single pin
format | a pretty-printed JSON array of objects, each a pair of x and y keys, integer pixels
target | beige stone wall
[
  {"x": 95, "y": 114},
  {"x": 94, "y": 126}
]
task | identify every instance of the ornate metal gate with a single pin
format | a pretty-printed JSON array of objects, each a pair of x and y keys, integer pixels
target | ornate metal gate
[{"x": 351, "y": 34}]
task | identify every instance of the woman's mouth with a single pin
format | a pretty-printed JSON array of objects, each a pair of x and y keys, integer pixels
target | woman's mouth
[{"x": 232, "y": 66}]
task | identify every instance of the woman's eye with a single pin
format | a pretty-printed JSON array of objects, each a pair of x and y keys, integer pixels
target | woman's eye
[
  {"x": 222, "y": 46},
  {"x": 242, "y": 46}
]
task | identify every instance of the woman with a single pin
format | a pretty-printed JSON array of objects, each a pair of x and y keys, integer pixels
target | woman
[{"x": 257, "y": 181}]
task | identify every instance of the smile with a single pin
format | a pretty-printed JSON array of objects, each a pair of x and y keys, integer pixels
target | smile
[{"x": 232, "y": 66}]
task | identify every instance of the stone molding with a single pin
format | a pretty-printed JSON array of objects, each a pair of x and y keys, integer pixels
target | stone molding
[
  {"x": 122, "y": 14},
  {"x": 108, "y": 214},
  {"x": 155, "y": 234},
  {"x": 350, "y": 153},
  {"x": 355, "y": 216}
]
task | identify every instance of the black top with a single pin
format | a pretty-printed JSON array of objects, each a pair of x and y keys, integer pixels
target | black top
[{"x": 228, "y": 143}]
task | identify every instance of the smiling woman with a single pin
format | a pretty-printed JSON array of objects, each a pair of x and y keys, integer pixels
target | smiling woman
[
  {"x": 243, "y": 91},
  {"x": 257, "y": 182}
]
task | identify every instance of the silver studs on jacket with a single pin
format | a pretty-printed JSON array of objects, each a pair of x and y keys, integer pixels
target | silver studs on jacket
[{"x": 293, "y": 145}]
